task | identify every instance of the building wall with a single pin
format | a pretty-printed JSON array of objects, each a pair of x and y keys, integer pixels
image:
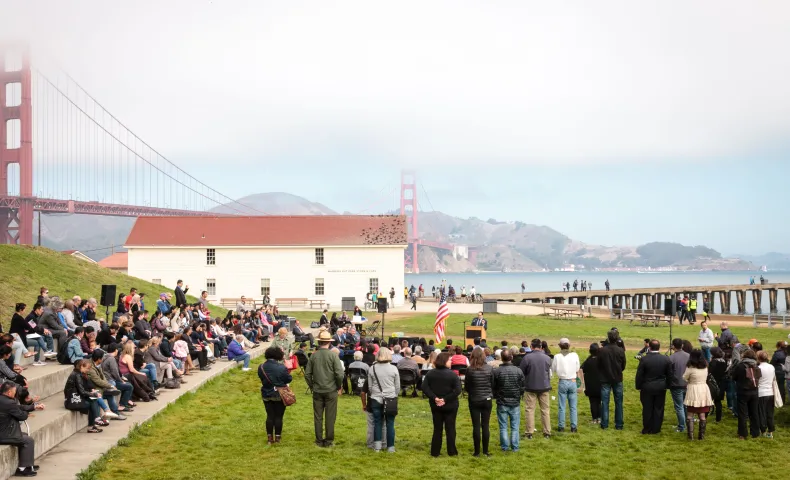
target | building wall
[{"x": 292, "y": 271}]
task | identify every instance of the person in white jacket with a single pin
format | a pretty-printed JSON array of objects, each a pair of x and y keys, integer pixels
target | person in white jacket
[{"x": 765, "y": 394}]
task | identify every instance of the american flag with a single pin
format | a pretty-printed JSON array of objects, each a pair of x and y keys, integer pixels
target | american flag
[{"x": 441, "y": 316}]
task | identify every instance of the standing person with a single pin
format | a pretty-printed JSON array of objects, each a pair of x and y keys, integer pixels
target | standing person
[
  {"x": 181, "y": 294},
  {"x": 611, "y": 364},
  {"x": 273, "y": 375},
  {"x": 508, "y": 388},
  {"x": 413, "y": 301},
  {"x": 718, "y": 368},
  {"x": 746, "y": 376},
  {"x": 698, "y": 399},
  {"x": 677, "y": 385},
  {"x": 606, "y": 283},
  {"x": 537, "y": 384},
  {"x": 765, "y": 394},
  {"x": 479, "y": 385},
  {"x": 705, "y": 338},
  {"x": 652, "y": 379},
  {"x": 443, "y": 387},
  {"x": 523, "y": 287},
  {"x": 383, "y": 384},
  {"x": 567, "y": 367},
  {"x": 693, "y": 309},
  {"x": 778, "y": 361},
  {"x": 324, "y": 375},
  {"x": 592, "y": 383}
]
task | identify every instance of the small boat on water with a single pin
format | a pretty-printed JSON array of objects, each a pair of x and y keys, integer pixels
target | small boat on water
[{"x": 764, "y": 268}]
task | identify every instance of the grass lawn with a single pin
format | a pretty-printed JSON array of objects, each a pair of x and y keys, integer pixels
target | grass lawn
[
  {"x": 219, "y": 433},
  {"x": 25, "y": 269}
]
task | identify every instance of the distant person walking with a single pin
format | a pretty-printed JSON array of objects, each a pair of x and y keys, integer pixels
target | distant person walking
[
  {"x": 607, "y": 285},
  {"x": 576, "y": 285},
  {"x": 523, "y": 287}
]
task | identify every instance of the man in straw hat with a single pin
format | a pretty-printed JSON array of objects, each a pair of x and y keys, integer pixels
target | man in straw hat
[{"x": 324, "y": 376}]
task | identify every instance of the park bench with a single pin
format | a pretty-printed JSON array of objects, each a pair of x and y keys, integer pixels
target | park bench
[
  {"x": 318, "y": 303},
  {"x": 291, "y": 301}
]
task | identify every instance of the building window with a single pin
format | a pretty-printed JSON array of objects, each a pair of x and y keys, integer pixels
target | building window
[
  {"x": 319, "y": 286},
  {"x": 211, "y": 286},
  {"x": 374, "y": 285},
  {"x": 266, "y": 286},
  {"x": 156, "y": 281},
  {"x": 319, "y": 256},
  {"x": 211, "y": 256}
]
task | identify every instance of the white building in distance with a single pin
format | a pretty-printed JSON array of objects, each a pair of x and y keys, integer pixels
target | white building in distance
[{"x": 318, "y": 258}]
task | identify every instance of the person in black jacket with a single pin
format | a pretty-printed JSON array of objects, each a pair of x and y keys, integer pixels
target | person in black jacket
[
  {"x": 592, "y": 383},
  {"x": 181, "y": 294},
  {"x": 11, "y": 413},
  {"x": 273, "y": 374},
  {"x": 652, "y": 380},
  {"x": 80, "y": 397},
  {"x": 480, "y": 386},
  {"x": 746, "y": 376},
  {"x": 28, "y": 326},
  {"x": 443, "y": 387},
  {"x": 718, "y": 368},
  {"x": 142, "y": 329},
  {"x": 508, "y": 388},
  {"x": 611, "y": 364},
  {"x": 196, "y": 352}
]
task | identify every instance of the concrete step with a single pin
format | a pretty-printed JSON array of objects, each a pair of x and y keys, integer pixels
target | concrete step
[{"x": 53, "y": 429}]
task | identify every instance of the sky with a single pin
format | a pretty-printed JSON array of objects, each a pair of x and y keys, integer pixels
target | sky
[{"x": 615, "y": 122}]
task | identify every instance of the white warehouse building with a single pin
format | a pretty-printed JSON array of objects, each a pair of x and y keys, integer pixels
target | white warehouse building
[{"x": 323, "y": 257}]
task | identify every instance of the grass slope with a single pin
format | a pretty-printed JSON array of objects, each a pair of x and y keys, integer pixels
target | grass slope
[
  {"x": 25, "y": 269},
  {"x": 219, "y": 433}
]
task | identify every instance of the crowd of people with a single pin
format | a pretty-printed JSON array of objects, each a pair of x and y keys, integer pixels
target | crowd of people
[
  {"x": 130, "y": 358},
  {"x": 698, "y": 377}
]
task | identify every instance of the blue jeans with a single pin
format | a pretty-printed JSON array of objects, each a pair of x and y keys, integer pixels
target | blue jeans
[
  {"x": 732, "y": 397},
  {"x": 40, "y": 344},
  {"x": 678, "y": 395},
  {"x": 243, "y": 358},
  {"x": 112, "y": 403},
  {"x": 509, "y": 416},
  {"x": 126, "y": 391},
  {"x": 379, "y": 417},
  {"x": 706, "y": 353},
  {"x": 149, "y": 369},
  {"x": 606, "y": 391},
  {"x": 567, "y": 391}
]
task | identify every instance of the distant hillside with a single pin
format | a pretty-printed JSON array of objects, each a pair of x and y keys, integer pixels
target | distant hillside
[
  {"x": 277, "y": 203},
  {"x": 772, "y": 260},
  {"x": 24, "y": 270}
]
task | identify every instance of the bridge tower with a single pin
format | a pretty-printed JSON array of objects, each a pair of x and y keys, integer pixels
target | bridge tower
[
  {"x": 408, "y": 208},
  {"x": 16, "y": 146}
]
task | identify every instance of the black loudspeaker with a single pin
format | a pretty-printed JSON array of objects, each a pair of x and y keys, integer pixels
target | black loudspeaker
[
  {"x": 107, "y": 296},
  {"x": 670, "y": 306},
  {"x": 382, "y": 307}
]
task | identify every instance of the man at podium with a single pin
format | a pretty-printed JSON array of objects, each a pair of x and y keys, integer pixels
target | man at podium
[{"x": 480, "y": 321}]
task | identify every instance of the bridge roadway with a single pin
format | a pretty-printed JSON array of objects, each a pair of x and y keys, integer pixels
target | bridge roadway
[{"x": 654, "y": 297}]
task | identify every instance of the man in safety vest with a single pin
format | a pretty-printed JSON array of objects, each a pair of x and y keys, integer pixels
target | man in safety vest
[{"x": 692, "y": 306}]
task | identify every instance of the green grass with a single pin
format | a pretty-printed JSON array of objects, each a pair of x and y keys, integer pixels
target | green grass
[
  {"x": 219, "y": 433},
  {"x": 25, "y": 269}
]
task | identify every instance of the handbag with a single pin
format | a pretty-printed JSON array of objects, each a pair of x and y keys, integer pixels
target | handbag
[
  {"x": 713, "y": 386},
  {"x": 390, "y": 404},
  {"x": 777, "y": 395},
  {"x": 286, "y": 394}
]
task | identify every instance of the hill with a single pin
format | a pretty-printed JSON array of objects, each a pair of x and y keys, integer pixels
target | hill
[
  {"x": 277, "y": 203},
  {"x": 24, "y": 270}
]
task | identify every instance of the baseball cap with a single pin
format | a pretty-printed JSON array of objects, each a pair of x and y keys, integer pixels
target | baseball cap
[
  {"x": 752, "y": 341},
  {"x": 564, "y": 341}
]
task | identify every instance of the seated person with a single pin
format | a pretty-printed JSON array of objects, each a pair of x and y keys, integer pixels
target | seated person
[
  {"x": 407, "y": 363},
  {"x": 11, "y": 414},
  {"x": 459, "y": 358},
  {"x": 301, "y": 336}
]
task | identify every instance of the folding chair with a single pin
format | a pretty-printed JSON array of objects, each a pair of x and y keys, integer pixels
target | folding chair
[
  {"x": 408, "y": 379},
  {"x": 371, "y": 329},
  {"x": 460, "y": 370}
]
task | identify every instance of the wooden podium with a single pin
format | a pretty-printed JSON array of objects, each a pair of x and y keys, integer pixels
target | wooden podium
[{"x": 472, "y": 333}]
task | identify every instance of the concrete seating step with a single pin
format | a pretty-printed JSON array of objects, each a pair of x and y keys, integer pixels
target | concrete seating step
[{"x": 47, "y": 380}]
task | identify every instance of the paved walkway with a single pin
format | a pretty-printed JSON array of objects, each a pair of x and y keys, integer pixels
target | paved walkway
[{"x": 75, "y": 454}]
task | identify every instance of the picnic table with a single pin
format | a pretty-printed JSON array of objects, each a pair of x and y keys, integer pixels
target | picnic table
[
  {"x": 646, "y": 319},
  {"x": 564, "y": 312}
]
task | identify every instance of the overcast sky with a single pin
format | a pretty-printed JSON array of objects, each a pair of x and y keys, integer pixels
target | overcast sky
[{"x": 607, "y": 120}]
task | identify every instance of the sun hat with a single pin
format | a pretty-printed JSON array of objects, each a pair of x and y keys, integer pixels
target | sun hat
[{"x": 324, "y": 336}]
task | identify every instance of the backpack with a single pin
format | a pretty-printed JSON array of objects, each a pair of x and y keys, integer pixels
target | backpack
[
  {"x": 753, "y": 374},
  {"x": 63, "y": 352}
]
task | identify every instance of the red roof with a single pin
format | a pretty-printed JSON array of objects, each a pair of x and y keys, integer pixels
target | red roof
[
  {"x": 312, "y": 230},
  {"x": 116, "y": 260},
  {"x": 69, "y": 252}
]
